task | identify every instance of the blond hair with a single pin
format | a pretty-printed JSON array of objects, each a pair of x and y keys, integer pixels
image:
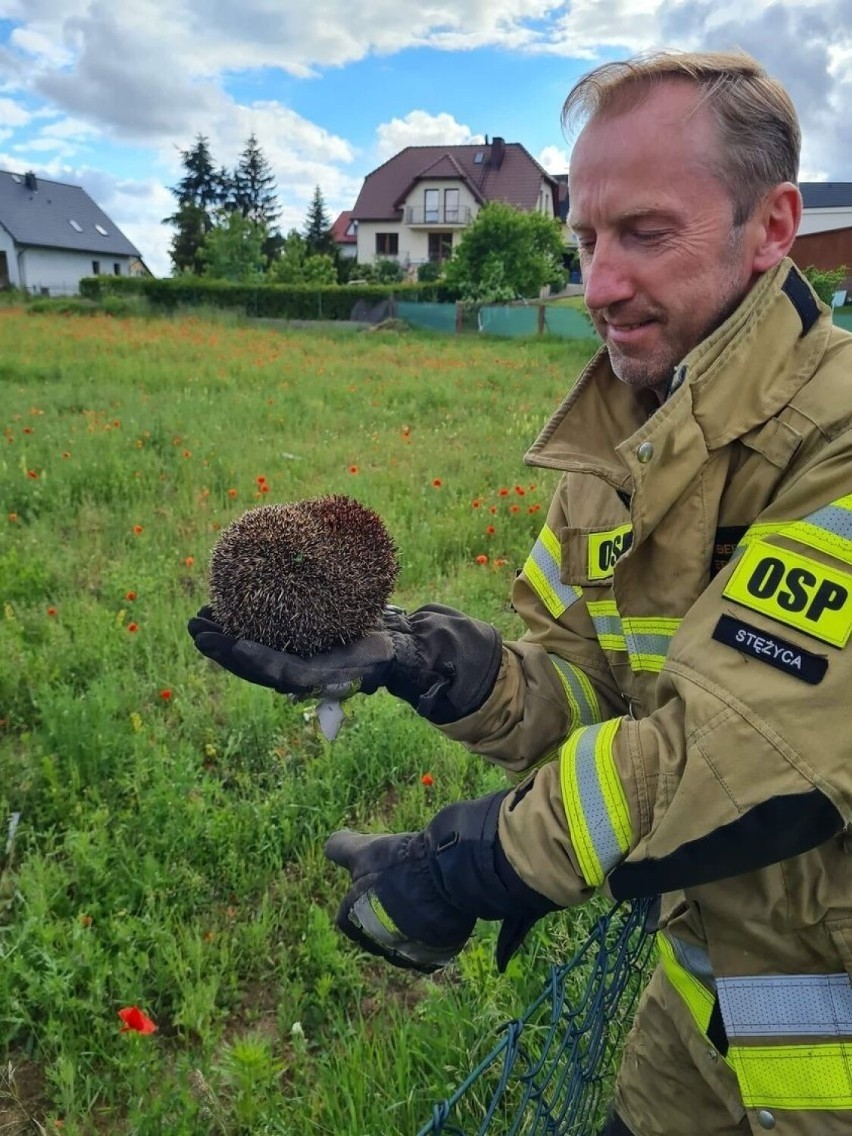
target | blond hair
[{"x": 760, "y": 137}]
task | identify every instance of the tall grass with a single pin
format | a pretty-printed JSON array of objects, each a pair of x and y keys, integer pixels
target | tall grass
[{"x": 168, "y": 853}]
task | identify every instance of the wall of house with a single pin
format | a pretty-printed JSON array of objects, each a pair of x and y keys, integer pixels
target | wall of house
[
  {"x": 58, "y": 272},
  {"x": 7, "y": 245},
  {"x": 825, "y": 251}
]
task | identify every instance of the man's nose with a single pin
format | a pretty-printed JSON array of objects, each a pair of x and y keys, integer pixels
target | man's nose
[{"x": 607, "y": 277}]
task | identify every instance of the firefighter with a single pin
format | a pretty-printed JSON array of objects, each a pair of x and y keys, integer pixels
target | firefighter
[{"x": 676, "y": 714}]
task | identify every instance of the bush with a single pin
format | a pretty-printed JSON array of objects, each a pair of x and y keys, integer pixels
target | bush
[
  {"x": 273, "y": 301},
  {"x": 429, "y": 272},
  {"x": 826, "y": 283}
]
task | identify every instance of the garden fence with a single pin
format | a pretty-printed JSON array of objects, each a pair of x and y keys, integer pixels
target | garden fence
[{"x": 551, "y": 1071}]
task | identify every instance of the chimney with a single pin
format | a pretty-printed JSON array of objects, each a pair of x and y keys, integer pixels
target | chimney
[
  {"x": 498, "y": 152},
  {"x": 30, "y": 180}
]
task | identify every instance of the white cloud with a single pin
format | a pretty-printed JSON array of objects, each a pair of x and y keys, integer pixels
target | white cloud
[
  {"x": 419, "y": 128},
  {"x": 554, "y": 160},
  {"x": 13, "y": 114},
  {"x": 41, "y": 47}
]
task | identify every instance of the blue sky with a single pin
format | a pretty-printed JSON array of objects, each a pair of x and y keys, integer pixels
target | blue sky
[{"x": 105, "y": 94}]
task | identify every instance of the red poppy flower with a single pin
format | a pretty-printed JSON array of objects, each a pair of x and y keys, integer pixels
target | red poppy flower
[
  {"x": 135, "y": 1021},
  {"x": 187, "y": 453},
  {"x": 13, "y": 517},
  {"x": 534, "y": 508},
  {"x": 475, "y": 504},
  {"x": 482, "y": 558},
  {"x": 137, "y": 529},
  {"x": 436, "y": 483},
  {"x": 32, "y": 473},
  {"x": 353, "y": 469},
  {"x": 132, "y": 627},
  {"x": 504, "y": 492},
  {"x": 500, "y": 562},
  {"x": 519, "y": 489},
  {"x": 28, "y": 429},
  {"x": 232, "y": 492},
  {"x": 51, "y": 611},
  {"x": 260, "y": 480},
  {"x": 189, "y": 561},
  {"x": 492, "y": 509},
  {"x": 165, "y": 695},
  {"x": 130, "y": 596},
  {"x": 515, "y": 509},
  {"x": 427, "y": 779},
  {"x": 491, "y": 530},
  {"x": 263, "y": 488}
]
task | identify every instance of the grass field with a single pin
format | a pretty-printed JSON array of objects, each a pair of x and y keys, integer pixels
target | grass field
[{"x": 168, "y": 854}]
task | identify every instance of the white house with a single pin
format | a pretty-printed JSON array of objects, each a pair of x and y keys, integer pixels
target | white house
[
  {"x": 415, "y": 207},
  {"x": 53, "y": 234}
]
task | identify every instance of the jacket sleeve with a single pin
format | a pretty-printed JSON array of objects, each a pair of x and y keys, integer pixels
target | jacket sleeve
[
  {"x": 745, "y": 760},
  {"x": 556, "y": 677}
]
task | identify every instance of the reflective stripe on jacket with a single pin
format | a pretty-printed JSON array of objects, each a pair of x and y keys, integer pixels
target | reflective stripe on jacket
[{"x": 681, "y": 696}]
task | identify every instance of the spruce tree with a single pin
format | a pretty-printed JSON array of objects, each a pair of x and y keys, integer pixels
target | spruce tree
[
  {"x": 318, "y": 225},
  {"x": 198, "y": 194},
  {"x": 254, "y": 190}
]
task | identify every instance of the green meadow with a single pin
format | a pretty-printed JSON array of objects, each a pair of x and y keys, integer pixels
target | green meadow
[{"x": 161, "y": 822}]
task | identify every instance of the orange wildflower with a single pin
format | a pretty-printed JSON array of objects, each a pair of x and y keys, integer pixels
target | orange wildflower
[
  {"x": 353, "y": 469},
  {"x": 500, "y": 562},
  {"x": 482, "y": 558},
  {"x": 427, "y": 779},
  {"x": 165, "y": 695},
  {"x": 51, "y": 611},
  {"x": 189, "y": 561},
  {"x": 519, "y": 489},
  {"x": 13, "y": 517},
  {"x": 515, "y": 509},
  {"x": 132, "y": 627},
  {"x": 491, "y": 530},
  {"x": 436, "y": 483},
  {"x": 232, "y": 492},
  {"x": 130, "y": 596},
  {"x": 137, "y": 529},
  {"x": 504, "y": 492}
]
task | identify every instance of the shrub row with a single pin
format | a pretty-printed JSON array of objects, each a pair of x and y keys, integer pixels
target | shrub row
[{"x": 281, "y": 301}]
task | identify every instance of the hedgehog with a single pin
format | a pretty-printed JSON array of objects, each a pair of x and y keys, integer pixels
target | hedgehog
[{"x": 303, "y": 576}]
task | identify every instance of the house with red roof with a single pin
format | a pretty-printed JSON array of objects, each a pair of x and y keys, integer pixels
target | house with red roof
[
  {"x": 416, "y": 206},
  {"x": 344, "y": 234}
]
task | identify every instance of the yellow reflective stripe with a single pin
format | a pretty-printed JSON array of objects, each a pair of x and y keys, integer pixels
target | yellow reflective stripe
[
  {"x": 607, "y": 624},
  {"x": 794, "y": 1076},
  {"x": 381, "y": 914},
  {"x": 579, "y": 692},
  {"x": 595, "y": 804},
  {"x": 695, "y": 994},
  {"x": 542, "y": 570},
  {"x": 648, "y": 639},
  {"x": 828, "y": 530}
]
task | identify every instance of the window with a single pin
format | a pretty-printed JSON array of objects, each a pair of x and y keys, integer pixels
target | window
[
  {"x": 477, "y": 159},
  {"x": 116, "y": 269},
  {"x": 440, "y": 247},
  {"x": 451, "y": 206},
  {"x": 102, "y": 230},
  {"x": 430, "y": 205},
  {"x": 387, "y": 244},
  {"x": 75, "y": 225},
  {"x": 96, "y": 268}
]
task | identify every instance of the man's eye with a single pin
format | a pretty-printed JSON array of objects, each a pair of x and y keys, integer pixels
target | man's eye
[{"x": 648, "y": 235}]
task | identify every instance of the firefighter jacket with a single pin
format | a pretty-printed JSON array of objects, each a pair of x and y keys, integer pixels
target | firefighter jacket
[{"x": 681, "y": 703}]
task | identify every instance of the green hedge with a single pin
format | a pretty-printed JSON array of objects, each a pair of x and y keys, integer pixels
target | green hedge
[{"x": 280, "y": 301}]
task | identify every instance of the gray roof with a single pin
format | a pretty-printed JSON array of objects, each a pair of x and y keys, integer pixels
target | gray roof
[
  {"x": 43, "y": 217},
  {"x": 826, "y": 194}
]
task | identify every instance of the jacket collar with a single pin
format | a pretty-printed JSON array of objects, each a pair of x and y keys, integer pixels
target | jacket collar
[{"x": 733, "y": 382}]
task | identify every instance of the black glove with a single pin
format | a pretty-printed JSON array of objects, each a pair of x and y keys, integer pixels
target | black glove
[
  {"x": 415, "y": 897},
  {"x": 439, "y": 660}
]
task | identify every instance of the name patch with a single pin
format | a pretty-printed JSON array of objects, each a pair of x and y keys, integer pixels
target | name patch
[
  {"x": 605, "y": 548},
  {"x": 770, "y": 649},
  {"x": 794, "y": 590}
]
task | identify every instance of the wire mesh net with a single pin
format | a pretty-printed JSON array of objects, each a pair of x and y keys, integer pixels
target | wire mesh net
[{"x": 551, "y": 1071}]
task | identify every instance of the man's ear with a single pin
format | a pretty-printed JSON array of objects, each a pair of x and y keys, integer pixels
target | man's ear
[{"x": 777, "y": 218}]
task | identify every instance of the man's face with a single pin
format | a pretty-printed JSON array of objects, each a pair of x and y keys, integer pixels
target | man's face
[{"x": 661, "y": 262}]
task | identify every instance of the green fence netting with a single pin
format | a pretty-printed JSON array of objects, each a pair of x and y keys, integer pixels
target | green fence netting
[
  {"x": 551, "y": 1072},
  {"x": 439, "y": 317}
]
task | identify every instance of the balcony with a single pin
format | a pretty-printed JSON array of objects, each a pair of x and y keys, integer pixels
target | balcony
[{"x": 436, "y": 218}]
